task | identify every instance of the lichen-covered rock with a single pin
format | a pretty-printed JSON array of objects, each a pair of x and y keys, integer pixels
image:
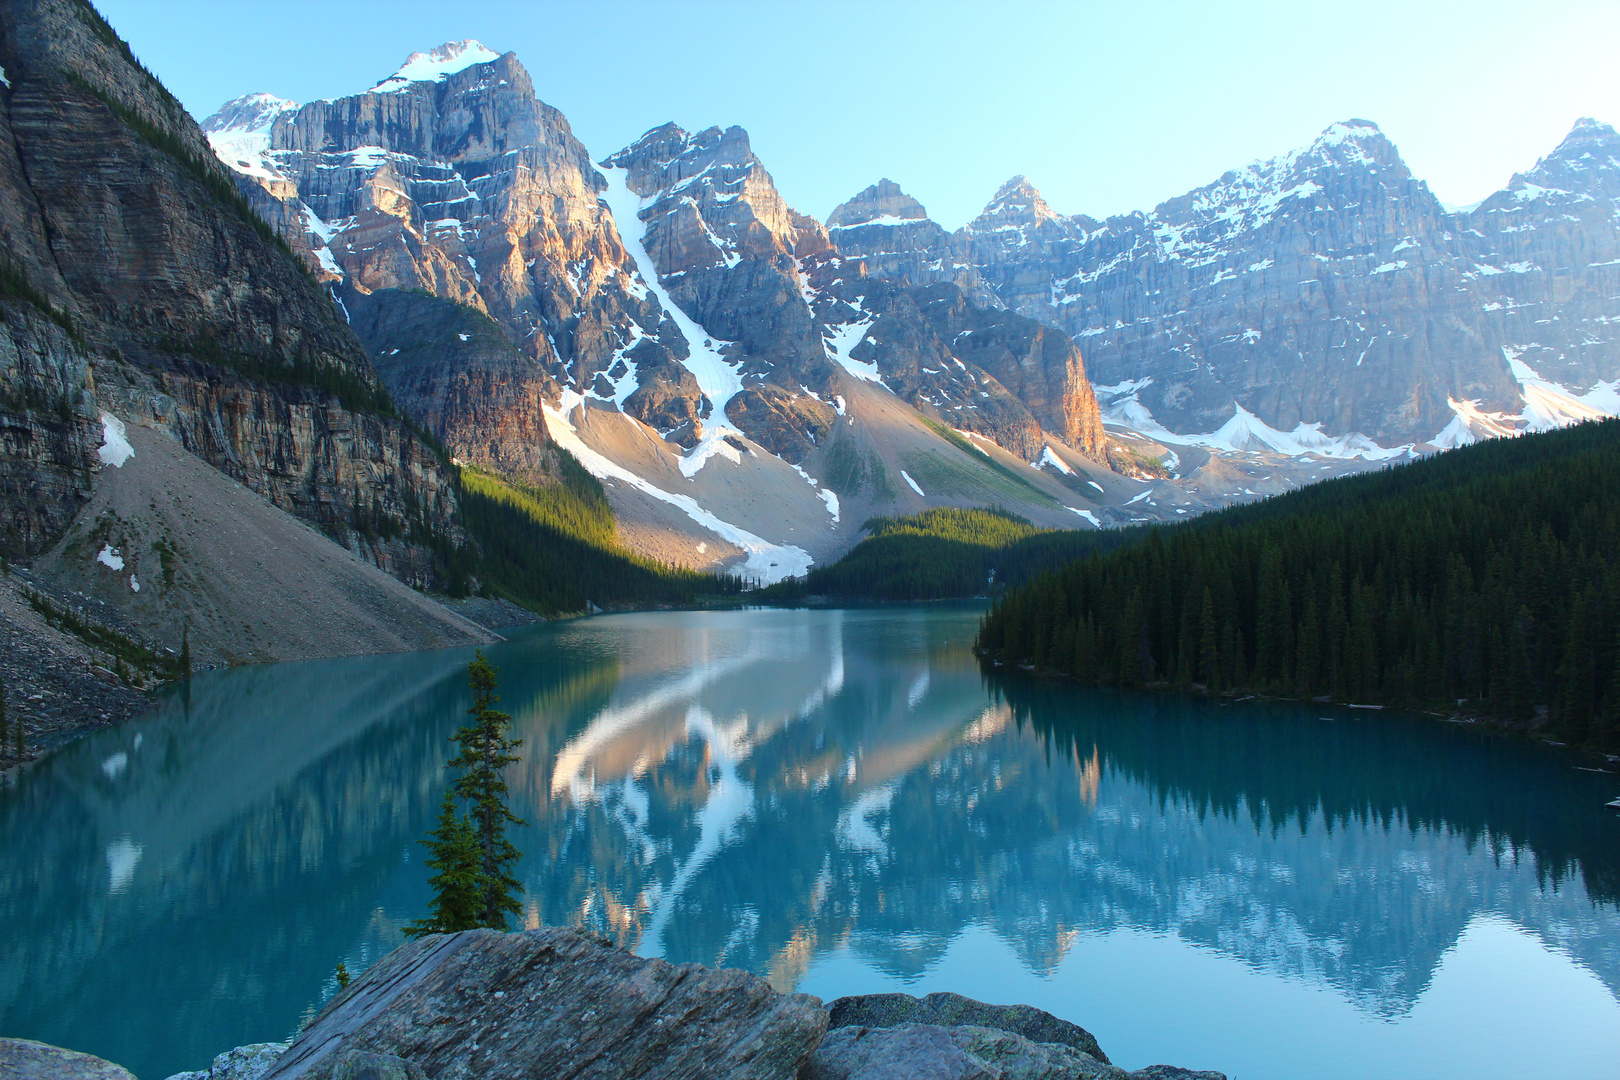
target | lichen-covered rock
[
  {"x": 1171, "y": 1072},
  {"x": 555, "y": 1003},
  {"x": 25, "y": 1059},
  {"x": 248, "y": 1062},
  {"x": 361, "y": 1065},
  {"x": 949, "y": 1010},
  {"x": 934, "y": 1052}
]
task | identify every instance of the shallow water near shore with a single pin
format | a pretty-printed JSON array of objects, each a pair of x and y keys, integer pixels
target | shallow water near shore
[{"x": 842, "y": 802}]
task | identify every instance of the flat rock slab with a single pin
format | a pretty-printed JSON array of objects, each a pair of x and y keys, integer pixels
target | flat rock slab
[
  {"x": 963, "y": 1052},
  {"x": 554, "y": 1003},
  {"x": 25, "y": 1059},
  {"x": 952, "y": 1010}
]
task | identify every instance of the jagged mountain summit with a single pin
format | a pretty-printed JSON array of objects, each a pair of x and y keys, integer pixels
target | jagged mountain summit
[
  {"x": 1313, "y": 313},
  {"x": 672, "y": 285},
  {"x": 1324, "y": 300}
]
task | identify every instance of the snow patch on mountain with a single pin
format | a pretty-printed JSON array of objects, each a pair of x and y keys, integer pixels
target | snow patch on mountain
[
  {"x": 1548, "y": 405},
  {"x": 765, "y": 561},
  {"x": 716, "y": 376},
  {"x": 1244, "y": 433},
  {"x": 239, "y": 133},
  {"x": 436, "y": 65},
  {"x": 840, "y": 341}
]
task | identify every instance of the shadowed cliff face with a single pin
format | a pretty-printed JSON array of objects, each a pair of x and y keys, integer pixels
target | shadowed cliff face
[{"x": 149, "y": 291}]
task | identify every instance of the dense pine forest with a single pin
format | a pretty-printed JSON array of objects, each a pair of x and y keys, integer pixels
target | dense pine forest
[
  {"x": 1486, "y": 578},
  {"x": 944, "y": 553},
  {"x": 554, "y": 550}
]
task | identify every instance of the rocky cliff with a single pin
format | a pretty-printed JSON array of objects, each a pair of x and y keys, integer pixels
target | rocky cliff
[
  {"x": 138, "y": 288},
  {"x": 671, "y": 284}
]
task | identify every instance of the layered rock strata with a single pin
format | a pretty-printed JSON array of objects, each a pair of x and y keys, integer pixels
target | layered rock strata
[{"x": 140, "y": 284}]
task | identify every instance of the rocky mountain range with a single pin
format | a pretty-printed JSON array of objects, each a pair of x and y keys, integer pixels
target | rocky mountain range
[{"x": 1312, "y": 314}]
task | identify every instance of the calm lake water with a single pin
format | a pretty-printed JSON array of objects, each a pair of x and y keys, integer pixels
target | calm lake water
[{"x": 843, "y": 803}]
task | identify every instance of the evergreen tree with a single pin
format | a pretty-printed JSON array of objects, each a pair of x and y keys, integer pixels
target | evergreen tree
[
  {"x": 473, "y": 886},
  {"x": 486, "y": 750},
  {"x": 3, "y": 732},
  {"x": 457, "y": 898}
]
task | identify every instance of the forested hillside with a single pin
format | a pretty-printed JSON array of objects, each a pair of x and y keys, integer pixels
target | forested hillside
[
  {"x": 944, "y": 553},
  {"x": 1485, "y": 578},
  {"x": 554, "y": 549}
]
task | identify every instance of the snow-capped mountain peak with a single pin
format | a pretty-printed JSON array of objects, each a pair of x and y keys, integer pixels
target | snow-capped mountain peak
[
  {"x": 248, "y": 113},
  {"x": 239, "y": 132},
  {"x": 436, "y": 65}
]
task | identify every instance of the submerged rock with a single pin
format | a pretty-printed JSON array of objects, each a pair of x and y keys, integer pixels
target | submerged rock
[
  {"x": 25, "y": 1059},
  {"x": 554, "y": 1003}
]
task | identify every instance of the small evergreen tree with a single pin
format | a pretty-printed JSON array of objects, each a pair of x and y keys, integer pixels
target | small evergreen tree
[
  {"x": 457, "y": 899},
  {"x": 185, "y": 653},
  {"x": 473, "y": 886},
  {"x": 3, "y": 731},
  {"x": 486, "y": 750}
]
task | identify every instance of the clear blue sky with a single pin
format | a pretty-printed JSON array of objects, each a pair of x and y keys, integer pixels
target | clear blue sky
[{"x": 1107, "y": 107}]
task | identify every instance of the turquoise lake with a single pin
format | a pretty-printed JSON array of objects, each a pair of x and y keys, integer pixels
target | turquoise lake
[{"x": 842, "y": 802}]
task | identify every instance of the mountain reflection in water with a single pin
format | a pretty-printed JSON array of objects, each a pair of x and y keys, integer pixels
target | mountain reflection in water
[{"x": 837, "y": 800}]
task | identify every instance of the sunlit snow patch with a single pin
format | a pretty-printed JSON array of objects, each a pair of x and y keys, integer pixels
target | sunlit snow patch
[
  {"x": 436, "y": 65},
  {"x": 108, "y": 556},
  {"x": 766, "y": 561},
  {"x": 907, "y": 477},
  {"x": 840, "y": 341},
  {"x": 716, "y": 376},
  {"x": 115, "y": 448},
  {"x": 1087, "y": 514},
  {"x": 1244, "y": 432},
  {"x": 1547, "y": 405},
  {"x": 1049, "y": 458}
]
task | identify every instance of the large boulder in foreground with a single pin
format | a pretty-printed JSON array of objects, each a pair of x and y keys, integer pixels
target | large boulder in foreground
[
  {"x": 25, "y": 1059},
  {"x": 557, "y": 1004}
]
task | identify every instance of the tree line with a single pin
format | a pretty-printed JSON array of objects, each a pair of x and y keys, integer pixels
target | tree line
[
  {"x": 944, "y": 553},
  {"x": 1486, "y": 578}
]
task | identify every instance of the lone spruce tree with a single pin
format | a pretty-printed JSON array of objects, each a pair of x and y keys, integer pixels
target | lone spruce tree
[{"x": 473, "y": 885}]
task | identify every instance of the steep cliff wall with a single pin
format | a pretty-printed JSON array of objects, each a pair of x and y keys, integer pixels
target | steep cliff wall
[{"x": 140, "y": 285}]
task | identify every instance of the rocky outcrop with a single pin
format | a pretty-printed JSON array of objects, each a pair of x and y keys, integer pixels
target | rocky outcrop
[
  {"x": 24, "y": 1059},
  {"x": 560, "y": 1003},
  {"x": 891, "y": 234},
  {"x": 878, "y": 1036},
  {"x": 954, "y": 1010},
  {"x": 555, "y": 1003}
]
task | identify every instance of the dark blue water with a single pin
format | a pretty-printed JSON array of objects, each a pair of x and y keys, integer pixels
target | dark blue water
[{"x": 842, "y": 802}]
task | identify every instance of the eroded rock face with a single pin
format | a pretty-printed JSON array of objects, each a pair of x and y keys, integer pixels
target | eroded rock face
[
  {"x": 148, "y": 290},
  {"x": 554, "y": 1003}
]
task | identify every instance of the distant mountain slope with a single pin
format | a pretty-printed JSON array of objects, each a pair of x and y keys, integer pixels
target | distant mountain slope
[{"x": 1320, "y": 300}]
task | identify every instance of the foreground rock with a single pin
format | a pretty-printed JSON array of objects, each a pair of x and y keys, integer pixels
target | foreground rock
[
  {"x": 950, "y": 1010},
  {"x": 951, "y": 1037},
  {"x": 24, "y": 1059},
  {"x": 555, "y": 1003}
]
